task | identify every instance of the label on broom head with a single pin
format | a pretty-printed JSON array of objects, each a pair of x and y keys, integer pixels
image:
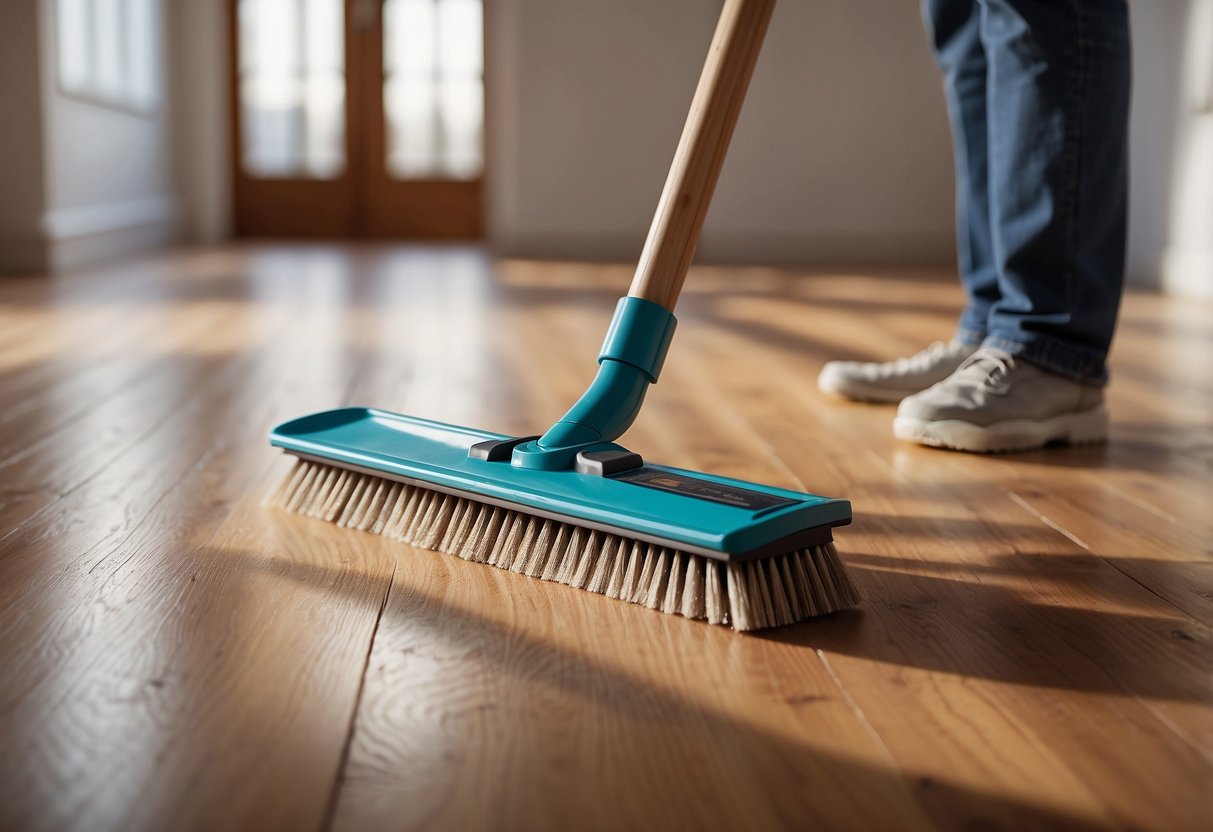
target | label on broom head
[{"x": 729, "y": 495}]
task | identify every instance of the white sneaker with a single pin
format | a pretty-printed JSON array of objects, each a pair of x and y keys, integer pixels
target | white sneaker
[
  {"x": 996, "y": 402},
  {"x": 892, "y": 381}
]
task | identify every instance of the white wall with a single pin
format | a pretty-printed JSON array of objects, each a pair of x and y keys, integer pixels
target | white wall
[
  {"x": 1158, "y": 41},
  {"x": 842, "y": 152},
  {"x": 198, "y": 39},
  {"x": 1187, "y": 264},
  {"x": 82, "y": 180},
  {"x": 109, "y": 186}
]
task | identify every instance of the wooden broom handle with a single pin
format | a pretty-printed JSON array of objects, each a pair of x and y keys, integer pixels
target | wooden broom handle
[{"x": 674, "y": 233}]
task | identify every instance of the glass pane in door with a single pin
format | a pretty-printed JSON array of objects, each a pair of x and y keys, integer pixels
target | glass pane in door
[
  {"x": 434, "y": 88},
  {"x": 292, "y": 88}
]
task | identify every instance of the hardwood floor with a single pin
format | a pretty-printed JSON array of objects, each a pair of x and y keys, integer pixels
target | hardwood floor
[{"x": 1034, "y": 651}]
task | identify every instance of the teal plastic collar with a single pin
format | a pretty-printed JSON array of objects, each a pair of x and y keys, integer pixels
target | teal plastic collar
[
  {"x": 640, "y": 335},
  {"x": 630, "y": 360}
]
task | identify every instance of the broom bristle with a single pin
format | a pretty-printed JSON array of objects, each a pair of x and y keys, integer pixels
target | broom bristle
[{"x": 753, "y": 595}]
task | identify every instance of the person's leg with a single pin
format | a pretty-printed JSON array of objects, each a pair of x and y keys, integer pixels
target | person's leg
[
  {"x": 1059, "y": 78},
  {"x": 955, "y": 30},
  {"x": 1058, "y": 103}
]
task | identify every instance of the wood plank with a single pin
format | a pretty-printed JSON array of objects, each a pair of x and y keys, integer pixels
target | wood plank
[
  {"x": 1035, "y": 633},
  {"x": 210, "y": 688},
  {"x": 494, "y": 696},
  {"x": 98, "y": 342},
  {"x": 1170, "y": 560},
  {"x": 74, "y": 386},
  {"x": 46, "y": 469},
  {"x": 913, "y": 617},
  {"x": 179, "y": 631}
]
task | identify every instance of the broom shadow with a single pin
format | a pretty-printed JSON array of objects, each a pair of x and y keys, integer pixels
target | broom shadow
[
  {"x": 961, "y": 621},
  {"x": 514, "y": 653}
]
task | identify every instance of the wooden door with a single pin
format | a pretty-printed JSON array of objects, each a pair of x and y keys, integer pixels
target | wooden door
[{"x": 357, "y": 118}]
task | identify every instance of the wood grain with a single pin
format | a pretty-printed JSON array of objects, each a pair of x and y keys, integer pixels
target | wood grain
[{"x": 1035, "y": 649}]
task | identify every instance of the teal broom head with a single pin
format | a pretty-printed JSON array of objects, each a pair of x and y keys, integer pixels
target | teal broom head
[{"x": 705, "y": 547}]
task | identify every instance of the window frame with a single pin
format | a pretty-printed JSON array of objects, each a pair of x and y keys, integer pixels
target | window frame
[{"x": 129, "y": 99}]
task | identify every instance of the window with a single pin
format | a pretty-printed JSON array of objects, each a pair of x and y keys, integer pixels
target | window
[
  {"x": 292, "y": 88},
  {"x": 107, "y": 51},
  {"x": 434, "y": 88}
]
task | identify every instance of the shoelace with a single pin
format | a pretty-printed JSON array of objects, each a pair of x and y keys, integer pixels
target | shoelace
[
  {"x": 923, "y": 360},
  {"x": 991, "y": 366}
]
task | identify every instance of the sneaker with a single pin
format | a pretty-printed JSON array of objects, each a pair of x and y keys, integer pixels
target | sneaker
[
  {"x": 996, "y": 402},
  {"x": 892, "y": 381}
]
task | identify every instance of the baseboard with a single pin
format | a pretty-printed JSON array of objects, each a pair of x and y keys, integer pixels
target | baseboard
[
  {"x": 76, "y": 237},
  {"x": 1187, "y": 272},
  {"x": 91, "y": 220},
  {"x": 737, "y": 247}
]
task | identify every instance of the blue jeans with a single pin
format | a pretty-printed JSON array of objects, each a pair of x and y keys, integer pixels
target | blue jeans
[{"x": 1038, "y": 97}]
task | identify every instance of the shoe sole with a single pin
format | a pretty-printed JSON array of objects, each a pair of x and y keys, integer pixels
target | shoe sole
[
  {"x": 856, "y": 392},
  {"x": 1088, "y": 427}
]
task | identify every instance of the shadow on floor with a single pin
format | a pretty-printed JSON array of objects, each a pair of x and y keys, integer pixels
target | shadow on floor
[
  {"x": 418, "y": 626},
  {"x": 969, "y": 621},
  {"x": 1130, "y": 447}
]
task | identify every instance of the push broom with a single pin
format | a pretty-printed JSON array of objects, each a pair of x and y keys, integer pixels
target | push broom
[{"x": 572, "y": 505}]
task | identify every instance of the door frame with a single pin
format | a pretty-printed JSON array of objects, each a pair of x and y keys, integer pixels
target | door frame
[{"x": 364, "y": 201}]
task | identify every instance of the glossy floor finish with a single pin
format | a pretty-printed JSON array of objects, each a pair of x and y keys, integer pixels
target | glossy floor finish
[{"x": 1034, "y": 649}]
